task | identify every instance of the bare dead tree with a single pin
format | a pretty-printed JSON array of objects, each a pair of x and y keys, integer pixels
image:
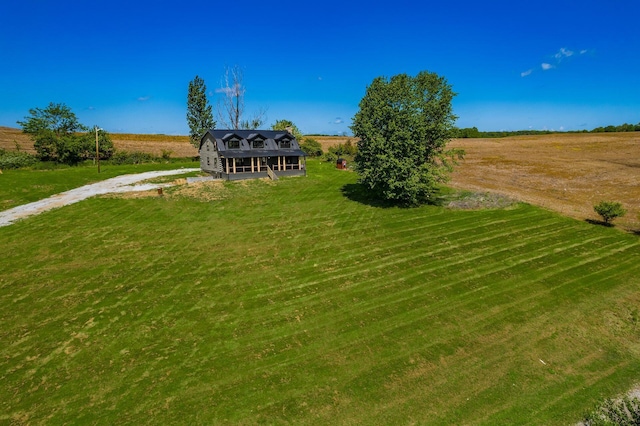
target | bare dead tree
[{"x": 230, "y": 108}]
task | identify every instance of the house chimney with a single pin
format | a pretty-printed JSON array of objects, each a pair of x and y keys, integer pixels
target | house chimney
[{"x": 289, "y": 129}]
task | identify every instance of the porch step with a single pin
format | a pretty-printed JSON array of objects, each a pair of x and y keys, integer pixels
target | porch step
[{"x": 271, "y": 174}]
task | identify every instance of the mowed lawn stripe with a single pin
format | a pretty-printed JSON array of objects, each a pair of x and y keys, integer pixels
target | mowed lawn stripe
[{"x": 291, "y": 303}]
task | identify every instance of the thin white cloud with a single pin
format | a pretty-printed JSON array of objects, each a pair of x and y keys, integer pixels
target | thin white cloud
[
  {"x": 144, "y": 98},
  {"x": 563, "y": 53},
  {"x": 338, "y": 120},
  {"x": 555, "y": 60},
  {"x": 237, "y": 88}
]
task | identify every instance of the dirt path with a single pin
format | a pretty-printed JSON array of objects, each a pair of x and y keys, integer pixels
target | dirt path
[{"x": 123, "y": 183}]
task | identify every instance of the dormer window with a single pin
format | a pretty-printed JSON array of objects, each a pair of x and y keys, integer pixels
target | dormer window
[
  {"x": 233, "y": 144},
  {"x": 285, "y": 144},
  {"x": 257, "y": 144}
]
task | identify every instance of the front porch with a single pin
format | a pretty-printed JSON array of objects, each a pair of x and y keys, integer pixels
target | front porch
[{"x": 237, "y": 168}]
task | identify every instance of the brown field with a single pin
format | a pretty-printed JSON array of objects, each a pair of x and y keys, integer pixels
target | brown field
[
  {"x": 567, "y": 173},
  {"x": 152, "y": 144}
]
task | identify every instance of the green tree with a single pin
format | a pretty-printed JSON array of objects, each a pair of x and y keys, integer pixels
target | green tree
[
  {"x": 58, "y": 135},
  {"x": 609, "y": 210},
  {"x": 286, "y": 125},
  {"x": 404, "y": 124},
  {"x": 199, "y": 112},
  {"x": 56, "y": 118},
  {"x": 311, "y": 147}
]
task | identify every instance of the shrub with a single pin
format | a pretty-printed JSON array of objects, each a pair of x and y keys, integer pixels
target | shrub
[
  {"x": 609, "y": 210},
  {"x": 166, "y": 154},
  {"x": 623, "y": 412},
  {"x": 16, "y": 159},
  {"x": 311, "y": 147},
  {"x": 330, "y": 157},
  {"x": 343, "y": 149},
  {"x": 126, "y": 157}
]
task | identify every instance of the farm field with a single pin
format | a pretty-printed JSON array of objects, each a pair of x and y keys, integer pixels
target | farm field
[
  {"x": 568, "y": 173},
  {"x": 298, "y": 301},
  {"x": 152, "y": 144}
]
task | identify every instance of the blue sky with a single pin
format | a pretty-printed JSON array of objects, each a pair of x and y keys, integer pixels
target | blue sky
[{"x": 126, "y": 66}]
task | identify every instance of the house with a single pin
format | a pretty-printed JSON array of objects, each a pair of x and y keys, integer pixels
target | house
[{"x": 249, "y": 154}]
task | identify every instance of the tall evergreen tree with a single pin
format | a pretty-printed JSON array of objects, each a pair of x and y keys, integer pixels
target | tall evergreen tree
[{"x": 199, "y": 113}]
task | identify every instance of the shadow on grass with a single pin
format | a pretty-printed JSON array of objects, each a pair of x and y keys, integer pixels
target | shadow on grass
[
  {"x": 360, "y": 194},
  {"x": 599, "y": 223}
]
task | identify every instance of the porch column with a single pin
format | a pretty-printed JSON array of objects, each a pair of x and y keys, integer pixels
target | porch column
[
  {"x": 279, "y": 167},
  {"x": 252, "y": 165},
  {"x": 234, "y": 165},
  {"x": 226, "y": 160}
]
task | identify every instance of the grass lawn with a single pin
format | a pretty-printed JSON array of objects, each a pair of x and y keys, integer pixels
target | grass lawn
[
  {"x": 296, "y": 302},
  {"x": 23, "y": 186}
]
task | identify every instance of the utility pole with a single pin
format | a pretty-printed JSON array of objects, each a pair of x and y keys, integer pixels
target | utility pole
[{"x": 97, "y": 151}]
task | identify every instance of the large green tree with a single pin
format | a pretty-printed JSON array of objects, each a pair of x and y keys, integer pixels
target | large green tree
[
  {"x": 58, "y": 135},
  {"x": 199, "y": 112},
  {"x": 286, "y": 125},
  {"x": 404, "y": 124}
]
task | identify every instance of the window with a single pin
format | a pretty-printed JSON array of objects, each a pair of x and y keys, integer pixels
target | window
[
  {"x": 233, "y": 144},
  {"x": 208, "y": 162},
  {"x": 257, "y": 144},
  {"x": 285, "y": 144}
]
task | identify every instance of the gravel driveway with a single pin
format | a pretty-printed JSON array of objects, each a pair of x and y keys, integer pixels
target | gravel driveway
[{"x": 124, "y": 183}]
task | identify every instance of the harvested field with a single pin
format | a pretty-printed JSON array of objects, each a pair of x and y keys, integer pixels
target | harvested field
[
  {"x": 10, "y": 136},
  {"x": 179, "y": 146},
  {"x": 328, "y": 141},
  {"x": 567, "y": 173}
]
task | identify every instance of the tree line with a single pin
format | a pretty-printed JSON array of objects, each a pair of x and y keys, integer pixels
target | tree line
[{"x": 473, "y": 132}]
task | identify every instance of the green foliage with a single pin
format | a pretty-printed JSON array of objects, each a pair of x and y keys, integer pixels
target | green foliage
[
  {"x": 284, "y": 124},
  {"x": 621, "y": 128},
  {"x": 166, "y": 154},
  {"x": 56, "y": 118},
  {"x": 609, "y": 210},
  {"x": 16, "y": 159},
  {"x": 473, "y": 132},
  {"x": 58, "y": 136},
  {"x": 621, "y": 412},
  {"x": 126, "y": 157},
  {"x": 311, "y": 147},
  {"x": 404, "y": 124},
  {"x": 199, "y": 112},
  {"x": 330, "y": 157},
  {"x": 344, "y": 149}
]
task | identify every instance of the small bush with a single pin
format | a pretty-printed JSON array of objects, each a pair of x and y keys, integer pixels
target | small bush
[
  {"x": 344, "y": 149},
  {"x": 311, "y": 147},
  {"x": 330, "y": 157},
  {"x": 623, "y": 412},
  {"x": 126, "y": 157},
  {"x": 16, "y": 159},
  {"x": 609, "y": 210},
  {"x": 166, "y": 154}
]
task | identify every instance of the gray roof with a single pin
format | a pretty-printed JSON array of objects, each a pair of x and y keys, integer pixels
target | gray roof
[{"x": 271, "y": 146}]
